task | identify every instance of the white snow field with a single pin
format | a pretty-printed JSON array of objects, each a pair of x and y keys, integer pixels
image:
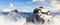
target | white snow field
[{"x": 20, "y": 19}]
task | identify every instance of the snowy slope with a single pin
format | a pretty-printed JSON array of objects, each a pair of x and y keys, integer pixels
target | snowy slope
[
  {"x": 19, "y": 18},
  {"x": 13, "y": 18}
]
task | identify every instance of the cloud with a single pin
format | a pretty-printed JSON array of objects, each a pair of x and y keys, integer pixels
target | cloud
[
  {"x": 56, "y": 5},
  {"x": 37, "y": 2}
]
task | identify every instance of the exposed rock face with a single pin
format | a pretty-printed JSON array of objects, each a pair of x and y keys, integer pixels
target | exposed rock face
[{"x": 41, "y": 15}]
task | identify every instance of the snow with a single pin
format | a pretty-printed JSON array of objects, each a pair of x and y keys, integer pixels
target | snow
[
  {"x": 13, "y": 18},
  {"x": 9, "y": 20},
  {"x": 5, "y": 10}
]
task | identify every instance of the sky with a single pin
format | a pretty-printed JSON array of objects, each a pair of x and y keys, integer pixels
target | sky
[
  {"x": 31, "y": 4},
  {"x": 21, "y": 4}
]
